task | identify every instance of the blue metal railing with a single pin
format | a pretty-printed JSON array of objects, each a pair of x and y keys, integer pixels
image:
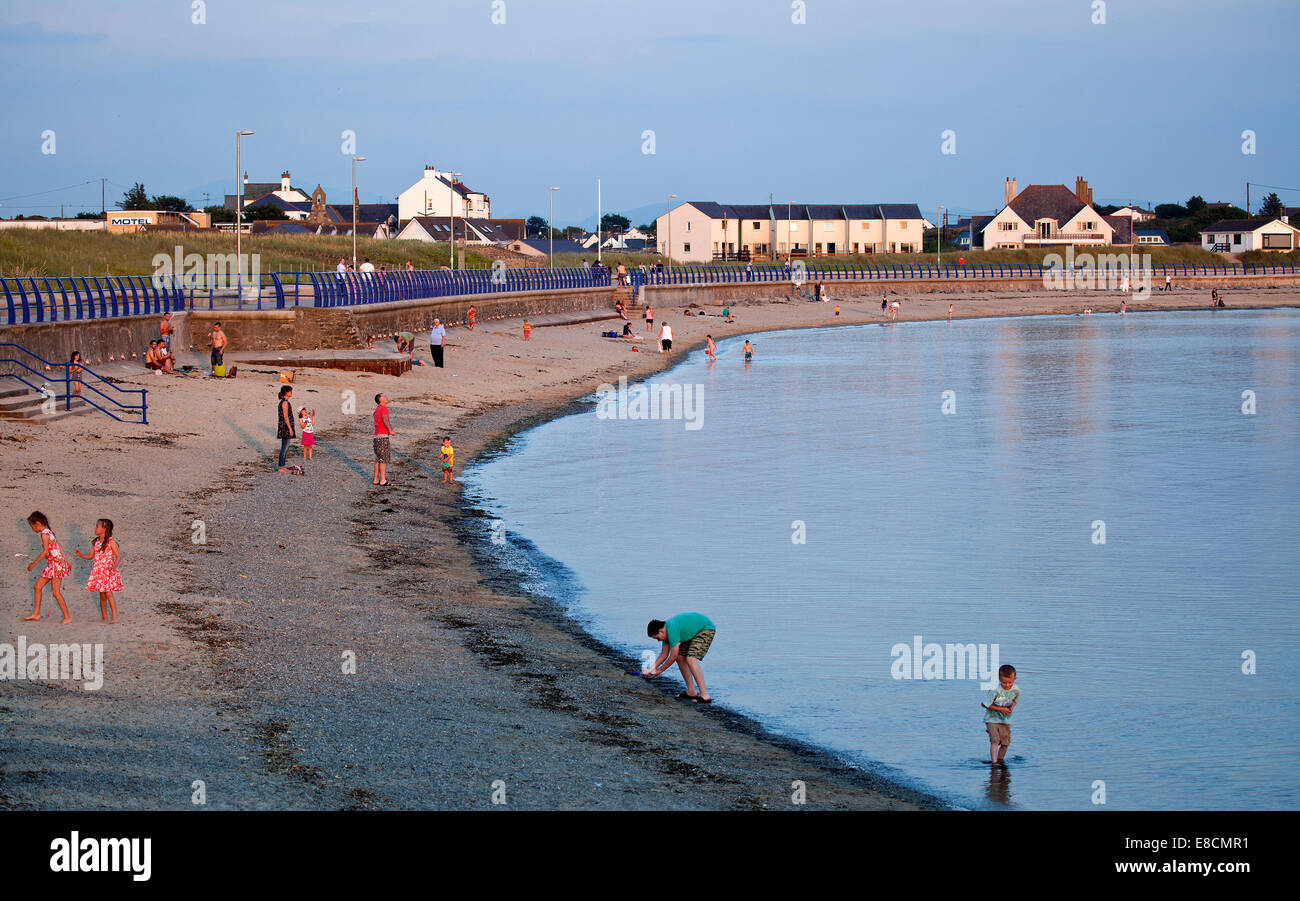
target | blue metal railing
[
  {"x": 56, "y": 299},
  {"x": 142, "y": 408}
]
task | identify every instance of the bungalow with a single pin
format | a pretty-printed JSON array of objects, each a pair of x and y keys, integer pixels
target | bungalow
[
  {"x": 255, "y": 191},
  {"x": 540, "y": 247},
  {"x": 1045, "y": 215},
  {"x": 1241, "y": 235},
  {"x": 468, "y": 231},
  {"x": 1150, "y": 236}
]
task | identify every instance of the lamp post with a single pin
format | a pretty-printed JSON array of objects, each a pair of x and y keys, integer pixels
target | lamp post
[
  {"x": 355, "y": 160},
  {"x": 239, "y": 211},
  {"x": 670, "y": 235},
  {"x": 451, "y": 212},
  {"x": 938, "y": 243},
  {"x": 550, "y": 228}
]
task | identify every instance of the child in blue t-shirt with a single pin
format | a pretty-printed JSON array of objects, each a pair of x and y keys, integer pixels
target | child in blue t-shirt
[{"x": 997, "y": 718}]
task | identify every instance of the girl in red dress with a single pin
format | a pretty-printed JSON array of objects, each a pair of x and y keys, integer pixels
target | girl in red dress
[
  {"x": 56, "y": 566},
  {"x": 104, "y": 576}
]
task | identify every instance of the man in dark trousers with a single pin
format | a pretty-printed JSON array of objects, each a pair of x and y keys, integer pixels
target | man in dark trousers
[
  {"x": 686, "y": 639},
  {"x": 437, "y": 341}
]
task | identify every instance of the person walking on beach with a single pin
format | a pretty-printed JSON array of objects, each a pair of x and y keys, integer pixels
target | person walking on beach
[
  {"x": 469, "y": 317},
  {"x": 649, "y": 320},
  {"x": 711, "y": 349},
  {"x": 666, "y": 339},
  {"x": 57, "y": 566},
  {"x": 686, "y": 638},
  {"x": 448, "y": 454},
  {"x": 528, "y": 330},
  {"x": 218, "y": 345},
  {"x": 437, "y": 342},
  {"x": 75, "y": 371},
  {"x": 997, "y": 715},
  {"x": 104, "y": 575},
  {"x": 284, "y": 428},
  {"x": 383, "y": 431},
  {"x": 307, "y": 420},
  {"x": 1169, "y": 282}
]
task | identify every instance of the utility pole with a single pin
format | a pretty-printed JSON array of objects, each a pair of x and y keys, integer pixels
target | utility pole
[
  {"x": 1247, "y": 198},
  {"x": 103, "y": 205}
]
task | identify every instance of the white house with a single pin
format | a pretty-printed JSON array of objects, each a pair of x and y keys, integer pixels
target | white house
[
  {"x": 1241, "y": 235},
  {"x": 1136, "y": 213},
  {"x": 1043, "y": 215},
  {"x": 440, "y": 194}
]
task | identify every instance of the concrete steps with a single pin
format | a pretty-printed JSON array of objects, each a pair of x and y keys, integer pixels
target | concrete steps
[{"x": 26, "y": 405}]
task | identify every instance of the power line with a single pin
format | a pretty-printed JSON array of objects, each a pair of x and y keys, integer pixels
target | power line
[
  {"x": 51, "y": 191},
  {"x": 1255, "y": 184}
]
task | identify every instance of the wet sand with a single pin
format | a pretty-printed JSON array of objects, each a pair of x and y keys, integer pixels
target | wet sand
[{"x": 227, "y": 663}]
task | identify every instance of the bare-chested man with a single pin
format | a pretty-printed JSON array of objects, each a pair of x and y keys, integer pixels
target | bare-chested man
[{"x": 218, "y": 345}]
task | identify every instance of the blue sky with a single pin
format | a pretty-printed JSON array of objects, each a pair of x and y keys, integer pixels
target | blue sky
[{"x": 849, "y": 107}]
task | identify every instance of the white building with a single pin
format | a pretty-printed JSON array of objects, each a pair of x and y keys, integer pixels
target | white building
[
  {"x": 702, "y": 230},
  {"x": 439, "y": 194},
  {"x": 1241, "y": 235},
  {"x": 1044, "y": 215}
]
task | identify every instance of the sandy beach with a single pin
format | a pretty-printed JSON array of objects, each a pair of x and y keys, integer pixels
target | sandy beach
[{"x": 227, "y": 664}]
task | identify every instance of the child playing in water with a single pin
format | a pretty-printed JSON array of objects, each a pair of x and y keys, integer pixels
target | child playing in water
[
  {"x": 997, "y": 719},
  {"x": 307, "y": 420},
  {"x": 56, "y": 567},
  {"x": 749, "y": 351},
  {"x": 711, "y": 349},
  {"x": 104, "y": 575},
  {"x": 448, "y": 460}
]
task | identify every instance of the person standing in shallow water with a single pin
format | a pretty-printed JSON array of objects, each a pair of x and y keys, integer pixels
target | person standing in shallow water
[{"x": 284, "y": 428}]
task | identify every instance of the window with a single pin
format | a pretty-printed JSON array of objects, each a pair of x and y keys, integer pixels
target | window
[
  {"x": 855, "y": 246},
  {"x": 1277, "y": 242},
  {"x": 756, "y": 226},
  {"x": 828, "y": 227},
  {"x": 866, "y": 225},
  {"x": 688, "y": 225},
  {"x": 819, "y": 246},
  {"x": 794, "y": 226},
  {"x": 1236, "y": 239},
  {"x": 780, "y": 248},
  {"x": 724, "y": 224},
  {"x": 903, "y": 224},
  {"x": 1006, "y": 226},
  {"x": 686, "y": 248}
]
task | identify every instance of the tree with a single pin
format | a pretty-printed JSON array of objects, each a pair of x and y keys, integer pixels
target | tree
[
  {"x": 536, "y": 225},
  {"x": 1194, "y": 203},
  {"x": 648, "y": 228},
  {"x": 262, "y": 212},
  {"x": 1170, "y": 211},
  {"x": 220, "y": 213},
  {"x": 89, "y": 216},
  {"x": 171, "y": 204},
  {"x": 612, "y": 221},
  {"x": 574, "y": 232},
  {"x": 135, "y": 199},
  {"x": 1272, "y": 206}
]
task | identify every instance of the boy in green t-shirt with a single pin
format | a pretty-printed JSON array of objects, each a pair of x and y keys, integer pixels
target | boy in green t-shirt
[
  {"x": 686, "y": 639},
  {"x": 997, "y": 718}
]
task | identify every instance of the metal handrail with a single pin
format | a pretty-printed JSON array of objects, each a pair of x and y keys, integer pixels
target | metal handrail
[{"x": 68, "y": 381}]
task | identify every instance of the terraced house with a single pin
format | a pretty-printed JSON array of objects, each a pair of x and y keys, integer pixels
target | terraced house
[
  {"x": 1045, "y": 215},
  {"x": 702, "y": 230}
]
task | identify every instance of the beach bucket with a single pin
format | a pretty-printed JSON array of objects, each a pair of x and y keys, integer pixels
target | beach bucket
[{"x": 219, "y": 371}]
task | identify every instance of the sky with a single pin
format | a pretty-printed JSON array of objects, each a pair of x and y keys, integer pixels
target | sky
[{"x": 739, "y": 100}]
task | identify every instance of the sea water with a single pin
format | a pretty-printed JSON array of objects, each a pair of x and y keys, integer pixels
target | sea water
[{"x": 1110, "y": 504}]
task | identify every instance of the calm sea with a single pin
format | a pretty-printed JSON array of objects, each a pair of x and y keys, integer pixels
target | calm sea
[{"x": 1093, "y": 501}]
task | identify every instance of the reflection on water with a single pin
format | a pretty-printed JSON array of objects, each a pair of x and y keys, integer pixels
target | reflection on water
[{"x": 828, "y": 510}]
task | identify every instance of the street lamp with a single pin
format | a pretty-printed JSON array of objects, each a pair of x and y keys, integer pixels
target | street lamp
[
  {"x": 239, "y": 212},
  {"x": 451, "y": 212},
  {"x": 355, "y": 160},
  {"x": 938, "y": 244},
  {"x": 550, "y": 228},
  {"x": 670, "y": 235}
]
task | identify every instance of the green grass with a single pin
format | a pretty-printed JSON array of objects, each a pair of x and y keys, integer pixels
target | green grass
[{"x": 27, "y": 253}]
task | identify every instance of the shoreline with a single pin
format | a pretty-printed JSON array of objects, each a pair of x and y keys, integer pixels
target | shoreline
[{"x": 471, "y": 677}]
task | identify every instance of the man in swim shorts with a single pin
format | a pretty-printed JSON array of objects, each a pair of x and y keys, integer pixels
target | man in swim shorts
[{"x": 686, "y": 639}]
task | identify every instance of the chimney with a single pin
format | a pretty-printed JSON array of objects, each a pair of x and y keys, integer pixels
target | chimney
[
  {"x": 1082, "y": 191},
  {"x": 284, "y": 180},
  {"x": 245, "y": 177},
  {"x": 1009, "y": 192},
  {"x": 355, "y": 202}
]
